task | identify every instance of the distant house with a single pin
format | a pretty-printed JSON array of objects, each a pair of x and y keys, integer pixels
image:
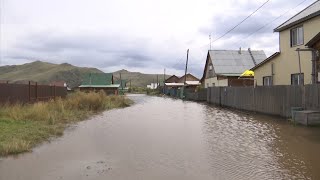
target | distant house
[
  {"x": 174, "y": 83},
  {"x": 223, "y": 67},
  {"x": 99, "y": 81},
  {"x": 302, "y": 32},
  {"x": 153, "y": 86},
  {"x": 58, "y": 83},
  {"x": 4, "y": 82},
  {"x": 172, "y": 79}
]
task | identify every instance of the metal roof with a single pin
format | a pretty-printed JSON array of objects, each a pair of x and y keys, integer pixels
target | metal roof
[
  {"x": 174, "y": 84},
  {"x": 101, "y": 86},
  {"x": 234, "y": 62},
  {"x": 97, "y": 79},
  {"x": 309, "y": 12},
  {"x": 193, "y": 83},
  {"x": 314, "y": 40},
  {"x": 266, "y": 60}
]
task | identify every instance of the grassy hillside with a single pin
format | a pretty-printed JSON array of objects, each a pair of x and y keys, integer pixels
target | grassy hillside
[
  {"x": 138, "y": 79},
  {"x": 45, "y": 73}
]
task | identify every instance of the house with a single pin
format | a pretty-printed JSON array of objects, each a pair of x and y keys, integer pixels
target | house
[
  {"x": 99, "y": 81},
  {"x": 296, "y": 63},
  {"x": 173, "y": 83},
  {"x": 190, "y": 81},
  {"x": 153, "y": 86},
  {"x": 172, "y": 79},
  {"x": 224, "y": 67},
  {"x": 58, "y": 83},
  {"x": 4, "y": 82}
]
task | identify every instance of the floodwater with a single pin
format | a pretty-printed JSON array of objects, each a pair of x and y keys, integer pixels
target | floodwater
[{"x": 163, "y": 138}]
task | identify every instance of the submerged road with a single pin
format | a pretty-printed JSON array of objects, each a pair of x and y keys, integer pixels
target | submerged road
[{"x": 163, "y": 138}]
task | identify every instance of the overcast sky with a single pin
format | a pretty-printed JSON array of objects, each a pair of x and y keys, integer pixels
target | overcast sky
[{"x": 137, "y": 35}]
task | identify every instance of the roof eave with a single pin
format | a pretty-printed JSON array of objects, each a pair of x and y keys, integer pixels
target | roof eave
[
  {"x": 265, "y": 61},
  {"x": 314, "y": 40},
  {"x": 279, "y": 28}
]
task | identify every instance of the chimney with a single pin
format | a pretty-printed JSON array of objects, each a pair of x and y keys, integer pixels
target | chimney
[{"x": 239, "y": 50}]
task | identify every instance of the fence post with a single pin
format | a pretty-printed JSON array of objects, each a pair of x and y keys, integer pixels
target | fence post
[
  {"x": 220, "y": 103},
  {"x": 29, "y": 93},
  {"x": 303, "y": 97},
  {"x": 54, "y": 92},
  {"x": 36, "y": 91}
]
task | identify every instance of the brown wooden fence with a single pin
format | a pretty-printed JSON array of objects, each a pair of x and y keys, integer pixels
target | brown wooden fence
[
  {"x": 274, "y": 100},
  {"x": 26, "y": 93}
]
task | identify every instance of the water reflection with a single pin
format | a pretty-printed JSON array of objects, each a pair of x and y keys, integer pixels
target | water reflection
[
  {"x": 245, "y": 146},
  {"x": 163, "y": 138}
]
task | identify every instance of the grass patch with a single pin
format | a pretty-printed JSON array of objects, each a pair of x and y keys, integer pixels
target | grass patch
[{"x": 24, "y": 126}]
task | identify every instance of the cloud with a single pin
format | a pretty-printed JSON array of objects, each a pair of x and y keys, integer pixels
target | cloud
[{"x": 140, "y": 35}]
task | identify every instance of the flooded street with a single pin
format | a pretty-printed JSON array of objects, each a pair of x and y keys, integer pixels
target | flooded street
[{"x": 163, "y": 138}]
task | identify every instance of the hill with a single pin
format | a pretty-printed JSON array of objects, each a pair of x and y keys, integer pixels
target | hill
[
  {"x": 138, "y": 79},
  {"x": 44, "y": 72}
]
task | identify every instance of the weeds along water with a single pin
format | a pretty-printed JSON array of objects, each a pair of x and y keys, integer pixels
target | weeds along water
[{"x": 22, "y": 126}]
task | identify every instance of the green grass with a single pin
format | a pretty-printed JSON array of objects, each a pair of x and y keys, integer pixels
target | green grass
[{"x": 24, "y": 126}]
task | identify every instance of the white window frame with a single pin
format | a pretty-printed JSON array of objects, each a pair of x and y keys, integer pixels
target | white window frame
[
  {"x": 269, "y": 80},
  {"x": 300, "y": 79},
  {"x": 296, "y": 36}
]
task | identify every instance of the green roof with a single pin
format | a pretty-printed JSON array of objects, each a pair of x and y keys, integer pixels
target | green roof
[
  {"x": 122, "y": 83},
  {"x": 97, "y": 79}
]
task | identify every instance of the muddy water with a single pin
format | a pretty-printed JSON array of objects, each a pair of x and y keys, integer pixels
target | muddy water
[{"x": 160, "y": 138}]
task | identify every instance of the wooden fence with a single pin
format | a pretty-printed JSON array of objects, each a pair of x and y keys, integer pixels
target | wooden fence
[
  {"x": 273, "y": 100},
  {"x": 26, "y": 93},
  {"x": 201, "y": 95}
]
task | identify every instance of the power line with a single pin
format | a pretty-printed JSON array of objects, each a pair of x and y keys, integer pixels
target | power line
[
  {"x": 241, "y": 22},
  {"x": 274, "y": 20}
]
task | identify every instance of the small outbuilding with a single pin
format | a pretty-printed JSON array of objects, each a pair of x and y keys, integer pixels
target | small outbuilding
[{"x": 99, "y": 81}]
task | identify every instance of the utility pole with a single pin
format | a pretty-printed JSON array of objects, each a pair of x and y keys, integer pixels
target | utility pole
[
  {"x": 185, "y": 77},
  {"x": 121, "y": 82},
  {"x": 210, "y": 41},
  {"x": 185, "y": 73},
  {"x": 164, "y": 75},
  {"x": 164, "y": 81},
  {"x": 157, "y": 81}
]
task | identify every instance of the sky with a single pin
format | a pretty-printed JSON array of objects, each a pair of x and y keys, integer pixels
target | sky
[{"x": 138, "y": 35}]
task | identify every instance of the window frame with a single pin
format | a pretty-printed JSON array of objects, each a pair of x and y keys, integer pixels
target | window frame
[
  {"x": 270, "y": 80},
  {"x": 210, "y": 67},
  {"x": 296, "y": 36},
  {"x": 298, "y": 75}
]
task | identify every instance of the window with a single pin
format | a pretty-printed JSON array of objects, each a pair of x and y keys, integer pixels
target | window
[
  {"x": 267, "y": 80},
  {"x": 213, "y": 84},
  {"x": 297, "y": 79},
  {"x": 297, "y": 36},
  {"x": 210, "y": 67}
]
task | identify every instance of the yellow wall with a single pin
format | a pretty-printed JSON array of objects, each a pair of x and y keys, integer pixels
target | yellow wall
[
  {"x": 286, "y": 63},
  {"x": 210, "y": 81}
]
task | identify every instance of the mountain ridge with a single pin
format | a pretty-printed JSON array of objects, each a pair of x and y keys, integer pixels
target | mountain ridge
[{"x": 46, "y": 72}]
